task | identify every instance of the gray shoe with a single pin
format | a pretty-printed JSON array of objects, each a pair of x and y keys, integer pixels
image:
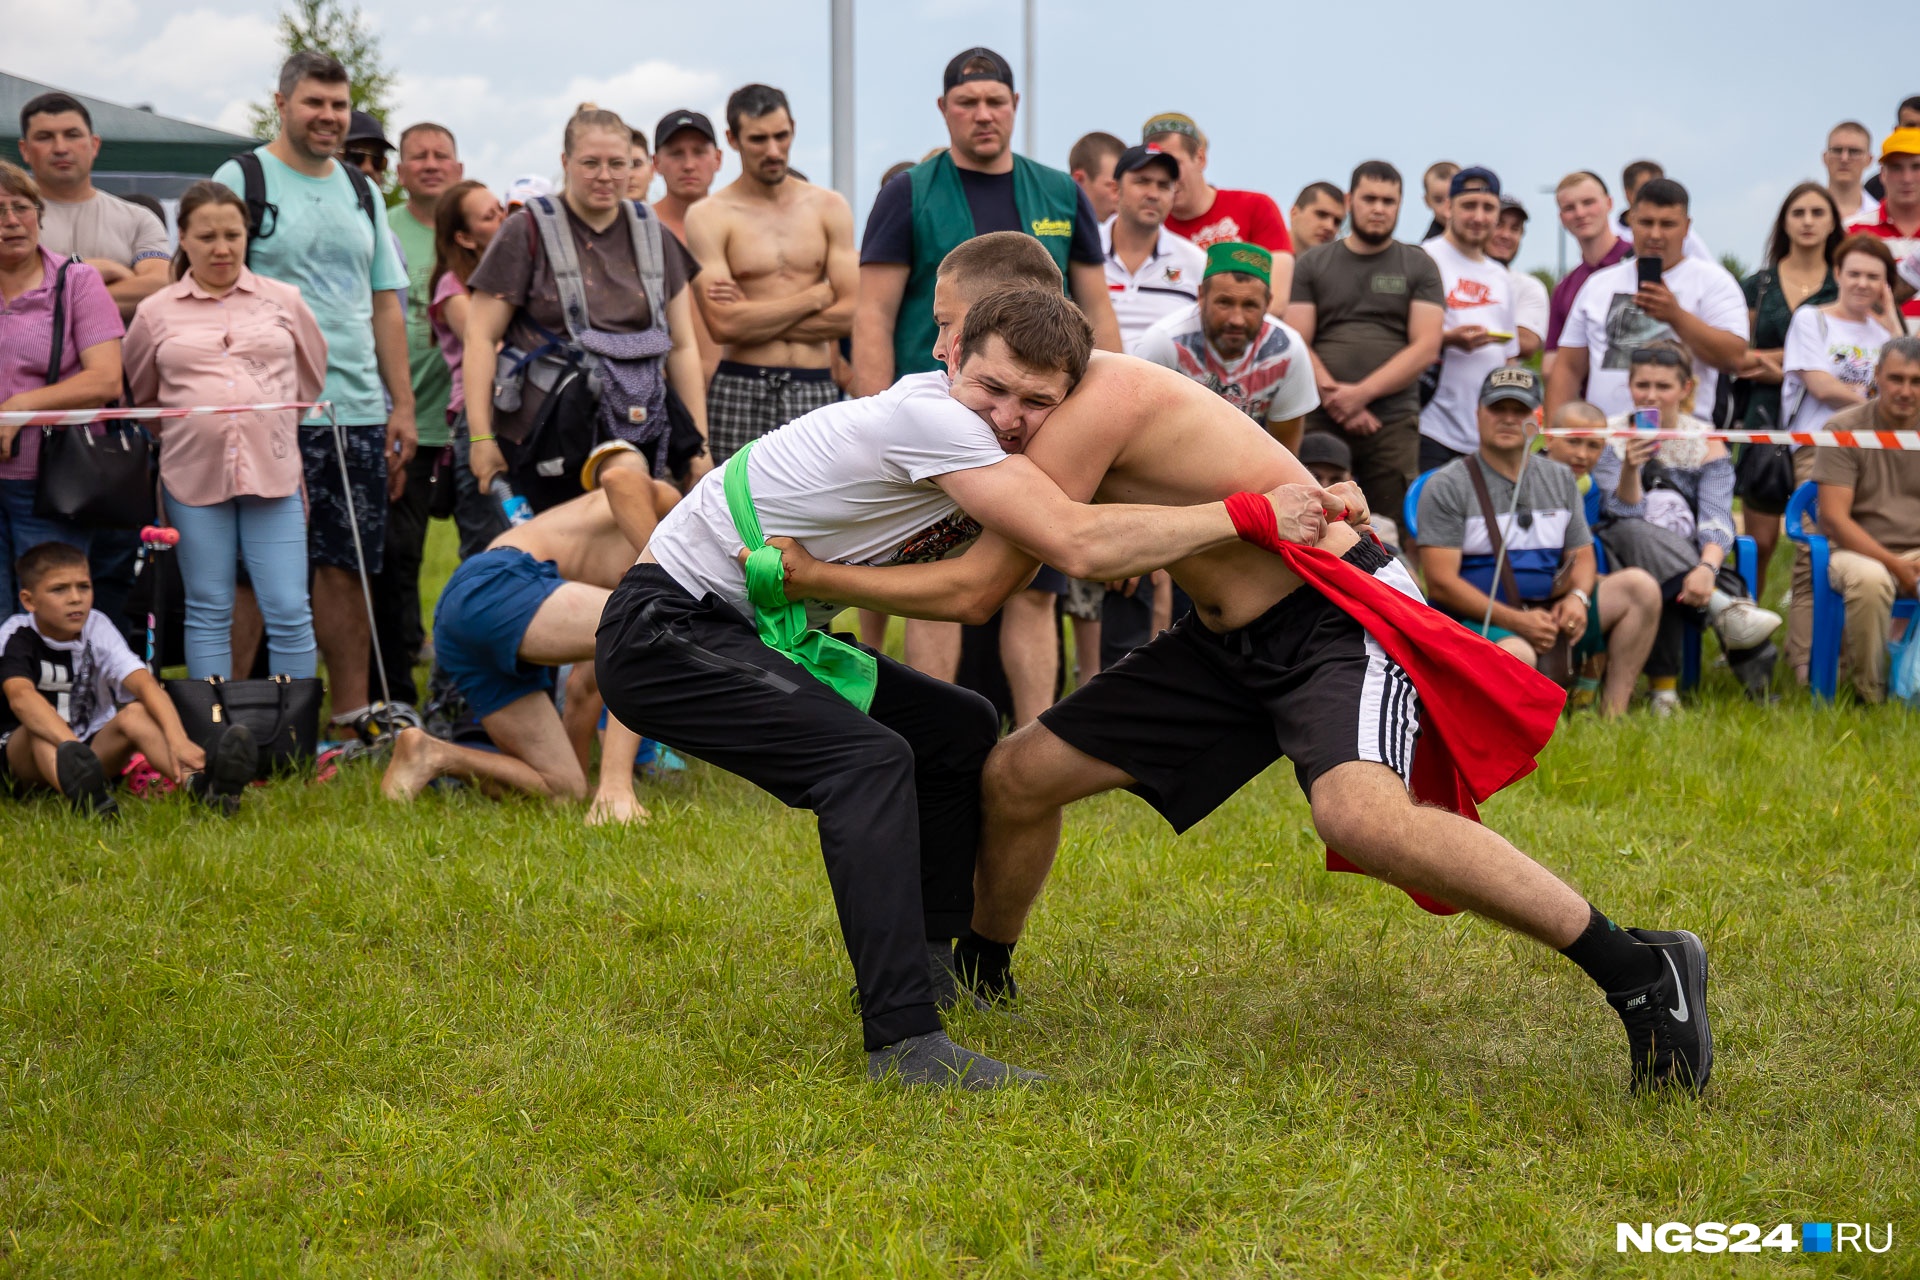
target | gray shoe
[{"x": 934, "y": 1061}]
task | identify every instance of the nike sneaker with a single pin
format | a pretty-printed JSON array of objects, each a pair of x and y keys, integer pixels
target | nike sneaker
[{"x": 1666, "y": 1020}]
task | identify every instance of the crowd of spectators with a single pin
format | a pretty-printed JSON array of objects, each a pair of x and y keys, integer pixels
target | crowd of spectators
[{"x": 474, "y": 350}]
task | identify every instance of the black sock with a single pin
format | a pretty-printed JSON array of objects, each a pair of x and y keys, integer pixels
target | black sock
[
  {"x": 985, "y": 965},
  {"x": 1611, "y": 956}
]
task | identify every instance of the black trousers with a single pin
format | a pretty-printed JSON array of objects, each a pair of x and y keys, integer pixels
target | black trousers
[
  {"x": 1669, "y": 641},
  {"x": 897, "y": 791},
  {"x": 396, "y": 588}
]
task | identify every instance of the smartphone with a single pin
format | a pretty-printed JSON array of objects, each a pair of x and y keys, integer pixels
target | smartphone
[
  {"x": 1646, "y": 419},
  {"x": 1499, "y": 335},
  {"x": 1649, "y": 269}
]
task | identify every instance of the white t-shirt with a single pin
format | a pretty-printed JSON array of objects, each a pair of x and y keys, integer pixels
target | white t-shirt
[
  {"x": 1168, "y": 281},
  {"x": 84, "y": 679},
  {"x": 852, "y": 482},
  {"x": 1530, "y": 304},
  {"x": 1272, "y": 382},
  {"x": 1605, "y": 322},
  {"x": 104, "y": 227},
  {"x": 1476, "y": 293},
  {"x": 1846, "y": 349}
]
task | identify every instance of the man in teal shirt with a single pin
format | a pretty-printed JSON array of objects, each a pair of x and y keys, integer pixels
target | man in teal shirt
[{"x": 317, "y": 236}]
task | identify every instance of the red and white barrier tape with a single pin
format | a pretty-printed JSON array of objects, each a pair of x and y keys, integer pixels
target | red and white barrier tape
[
  {"x": 1908, "y": 440},
  {"x": 84, "y": 417}
]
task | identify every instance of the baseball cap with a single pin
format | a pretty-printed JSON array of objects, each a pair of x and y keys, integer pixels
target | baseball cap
[
  {"x": 1235, "y": 255},
  {"x": 1326, "y": 449},
  {"x": 1901, "y": 142},
  {"x": 1513, "y": 203},
  {"x": 957, "y": 73},
  {"x": 524, "y": 189},
  {"x": 674, "y": 121},
  {"x": 1170, "y": 122},
  {"x": 1140, "y": 157},
  {"x": 1512, "y": 382},
  {"x": 363, "y": 128},
  {"x": 1487, "y": 178}
]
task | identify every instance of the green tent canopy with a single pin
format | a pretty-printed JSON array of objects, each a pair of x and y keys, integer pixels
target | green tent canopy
[{"x": 140, "y": 150}]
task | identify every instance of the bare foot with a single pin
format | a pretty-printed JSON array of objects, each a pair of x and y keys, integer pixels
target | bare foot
[
  {"x": 413, "y": 766},
  {"x": 618, "y": 807}
]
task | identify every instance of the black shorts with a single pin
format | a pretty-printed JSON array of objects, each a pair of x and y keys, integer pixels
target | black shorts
[
  {"x": 329, "y": 524},
  {"x": 1195, "y": 715}
]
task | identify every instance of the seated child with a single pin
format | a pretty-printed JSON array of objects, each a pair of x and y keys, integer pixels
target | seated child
[{"x": 77, "y": 704}]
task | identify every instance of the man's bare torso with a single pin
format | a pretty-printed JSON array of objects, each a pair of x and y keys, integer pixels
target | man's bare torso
[
  {"x": 1135, "y": 432},
  {"x": 581, "y": 539},
  {"x": 774, "y": 250}
]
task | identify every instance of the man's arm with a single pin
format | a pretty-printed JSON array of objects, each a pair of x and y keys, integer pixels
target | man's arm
[
  {"x": 882, "y": 286},
  {"x": 1567, "y": 380},
  {"x": 1836, "y": 519},
  {"x": 967, "y": 588},
  {"x": 148, "y": 276},
  {"x": 843, "y": 274},
  {"x": 1446, "y": 588},
  {"x": 1088, "y": 285},
  {"x": 390, "y": 353},
  {"x": 1721, "y": 348},
  {"x": 731, "y": 317},
  {"x": 1404, "y": 368}
]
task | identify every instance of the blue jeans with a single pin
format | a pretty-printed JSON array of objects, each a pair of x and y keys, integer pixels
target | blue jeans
[
  {"x": 272, "y": 534},
  {"x": 21, "y": 531}
]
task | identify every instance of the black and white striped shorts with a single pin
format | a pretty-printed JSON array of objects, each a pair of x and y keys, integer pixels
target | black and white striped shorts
[{"x": 1195, "y": 715}]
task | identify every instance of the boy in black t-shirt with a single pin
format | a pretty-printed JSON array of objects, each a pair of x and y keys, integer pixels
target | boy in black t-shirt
[{"x": 77, "y": 704}]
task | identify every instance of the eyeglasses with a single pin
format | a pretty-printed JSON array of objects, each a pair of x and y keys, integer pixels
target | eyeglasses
[
  {"x": 614, "y": 167},
  {"x": 20, "y": 210},
  {"x": 1658, "y": 355},
  {"x": 1848, "y": 153}
]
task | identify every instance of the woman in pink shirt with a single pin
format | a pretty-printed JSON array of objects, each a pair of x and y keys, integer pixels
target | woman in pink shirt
[
  {"x": 33, "y": 280},
  {"x": 222, "y": 335},
  {"x": 463, "y": 225}
]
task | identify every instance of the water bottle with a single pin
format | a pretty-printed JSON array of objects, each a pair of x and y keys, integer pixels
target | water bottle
[{"x": 516, "y": 508}]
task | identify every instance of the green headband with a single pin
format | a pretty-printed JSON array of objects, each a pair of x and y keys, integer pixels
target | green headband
[{"x": 1247, "y": 259}]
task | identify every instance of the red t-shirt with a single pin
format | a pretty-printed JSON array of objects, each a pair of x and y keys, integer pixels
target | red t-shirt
[{"x": 1246, "y": 216}]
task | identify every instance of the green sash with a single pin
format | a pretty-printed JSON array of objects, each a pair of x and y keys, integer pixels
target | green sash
[
  {"x": 852, "y": 673},
  {"x": 1047, "y": 201}
]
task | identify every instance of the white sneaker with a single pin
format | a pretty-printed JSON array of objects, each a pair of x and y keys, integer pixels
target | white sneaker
[
  {"x": 1745, "y": 625},
  {"x": 1664, "y": 702}
]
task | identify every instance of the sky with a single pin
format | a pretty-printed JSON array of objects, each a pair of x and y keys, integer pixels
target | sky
[{"x": 1734, "y": 98}]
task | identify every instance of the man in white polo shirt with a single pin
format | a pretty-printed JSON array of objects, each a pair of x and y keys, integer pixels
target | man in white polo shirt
[
  {"x": 1477, "y": 336},
  {"x": 1151, "y": 272},
  {"x": 1694, "y": 300}
]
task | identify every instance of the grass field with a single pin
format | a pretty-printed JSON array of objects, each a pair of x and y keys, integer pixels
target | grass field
[{"x": 340, "y": 1038}]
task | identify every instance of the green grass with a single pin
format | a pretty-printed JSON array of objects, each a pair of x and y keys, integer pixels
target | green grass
[{"x": 340, "y": 1038}]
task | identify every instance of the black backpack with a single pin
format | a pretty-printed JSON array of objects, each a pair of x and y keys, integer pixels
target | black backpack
[{"x": 263, "y": 216}]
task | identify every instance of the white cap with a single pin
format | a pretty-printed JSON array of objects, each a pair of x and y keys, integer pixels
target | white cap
[{"x": 524, "y": 189}]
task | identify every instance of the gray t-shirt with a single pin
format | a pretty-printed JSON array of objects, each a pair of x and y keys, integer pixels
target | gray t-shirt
[
  {"x": 1361, "y": 303},
  {"x": 1550, "y": 521},
  {"x": 104, "y": 227}
]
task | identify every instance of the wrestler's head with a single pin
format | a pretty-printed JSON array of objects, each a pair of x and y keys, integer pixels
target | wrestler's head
[
  {"x": 977, "y": 267},
  {"x": 1019, "y": 353}
]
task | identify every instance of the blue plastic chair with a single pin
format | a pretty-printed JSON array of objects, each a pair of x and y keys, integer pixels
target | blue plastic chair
[
  {"x": 1410, "y": 509},
  {"x": 1829, "y": 609}
]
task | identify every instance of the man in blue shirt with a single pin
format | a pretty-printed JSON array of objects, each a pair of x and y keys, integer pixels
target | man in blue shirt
[{"x": 318, "y": 236}]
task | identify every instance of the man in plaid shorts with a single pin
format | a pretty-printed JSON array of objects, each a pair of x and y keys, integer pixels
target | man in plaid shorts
[{"x": 778, "y": 279}]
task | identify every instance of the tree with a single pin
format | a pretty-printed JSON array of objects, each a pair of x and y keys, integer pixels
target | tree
[{"x": 329, "y": 27}]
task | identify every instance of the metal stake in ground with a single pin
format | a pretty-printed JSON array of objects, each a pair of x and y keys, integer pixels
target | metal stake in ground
[
  {"x": 1500, "y": 556},
  {"x": 359, "y": 552}
]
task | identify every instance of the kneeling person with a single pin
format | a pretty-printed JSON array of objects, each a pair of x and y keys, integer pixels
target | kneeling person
[
  {"x": 78, "y": 703},
  {"x": 508, "y": 618}
]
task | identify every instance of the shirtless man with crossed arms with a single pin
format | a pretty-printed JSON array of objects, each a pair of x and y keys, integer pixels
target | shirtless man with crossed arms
[{"x": 779, "y": 275}]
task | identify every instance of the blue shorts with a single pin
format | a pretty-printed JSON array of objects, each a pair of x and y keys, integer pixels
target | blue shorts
[{"x": 483, "y": 614}]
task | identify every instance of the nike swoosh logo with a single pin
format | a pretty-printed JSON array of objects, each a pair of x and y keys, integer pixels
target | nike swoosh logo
[{"x": 1679, "y": 1012}]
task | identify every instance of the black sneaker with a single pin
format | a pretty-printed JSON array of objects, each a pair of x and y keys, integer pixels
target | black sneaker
[
  {"x": 83, "y": 781},
  {"x": 230, "y": 767},
  {"x": 1667, "y": 1032}
]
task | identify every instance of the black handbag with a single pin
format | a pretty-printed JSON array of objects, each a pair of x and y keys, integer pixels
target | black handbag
[
  {"x": 283, "y": 713},
  {"x": 100, "y": 475}
]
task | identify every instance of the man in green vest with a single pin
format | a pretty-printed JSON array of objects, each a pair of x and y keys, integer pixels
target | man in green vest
[{"x": 975, "y": 186}]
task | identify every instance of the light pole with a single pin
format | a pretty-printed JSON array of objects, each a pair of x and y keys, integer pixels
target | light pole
[
  {"x": 1028, "y": 102},
  {"x": 843, "y": 98}
]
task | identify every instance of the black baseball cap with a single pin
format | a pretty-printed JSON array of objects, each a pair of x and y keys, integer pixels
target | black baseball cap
[
  {"x": 363, "y": 128},
  {"x": 1489, "y": 180},
  {"x": 1512, "y": 382},
  {"x": 958, "y": 75},
  {"x": 674, "y": 121},
  {"x": 1326, "y": 449},
  {"x": 1143, "y": 155}
]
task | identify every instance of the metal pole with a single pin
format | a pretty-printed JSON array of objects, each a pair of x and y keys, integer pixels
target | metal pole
[
  {"x": 843, "y": 98},
  {"x": 1029, "y": 103},
  {"x": 1486, "y": 623},
  {"x": 1562, "y": 240}
]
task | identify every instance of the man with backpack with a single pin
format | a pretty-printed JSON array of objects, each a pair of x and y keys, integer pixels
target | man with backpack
[{"x": 317, "y": 224}]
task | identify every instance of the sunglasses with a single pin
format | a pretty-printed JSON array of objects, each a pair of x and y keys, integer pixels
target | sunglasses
[{"x": 1658, "y": 355}]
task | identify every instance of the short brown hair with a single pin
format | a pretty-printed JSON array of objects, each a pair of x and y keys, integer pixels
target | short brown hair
[
  {"x": 1000, "y": 260},
  {"x": 1873, "y": 246},
  {"x": 1041, "y": 328},
  {"x": 36, "y": 562},
  {"x": 428, "y": 126},
  {"x": 310, "y": 64},
  {"x": 15, "y": 181},
  {"x": 1094, "y": 154}
]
